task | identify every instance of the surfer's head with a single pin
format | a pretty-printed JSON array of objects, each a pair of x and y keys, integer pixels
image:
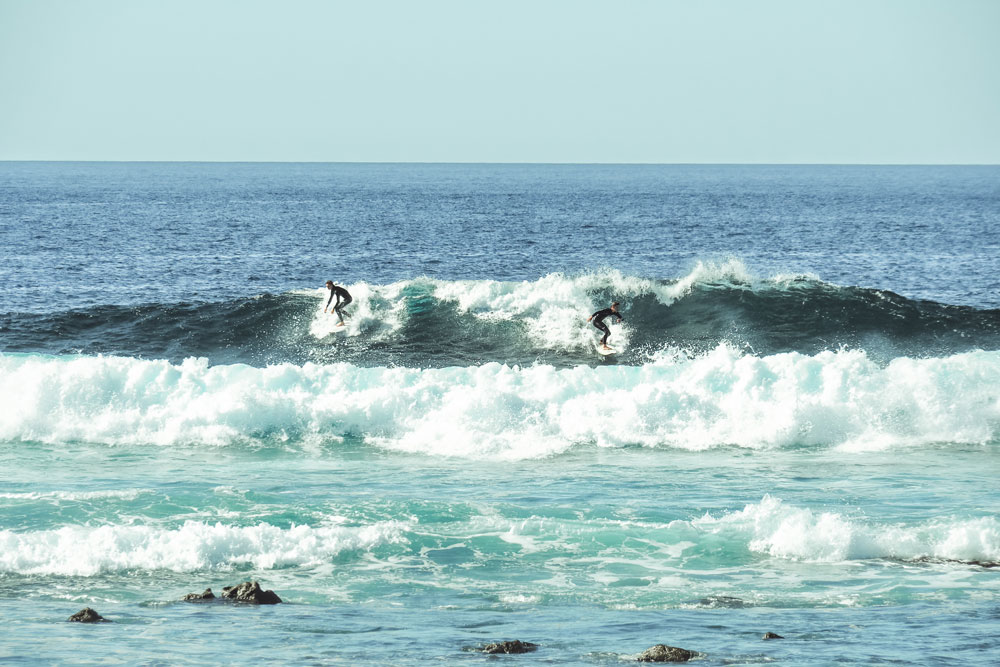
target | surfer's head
[
  {"x": 329, "y": 283},
  {"x": 614, "y": 306}
]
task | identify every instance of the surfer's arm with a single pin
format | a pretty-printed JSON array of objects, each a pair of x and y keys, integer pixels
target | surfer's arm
[{"x": 332, "y": 292}]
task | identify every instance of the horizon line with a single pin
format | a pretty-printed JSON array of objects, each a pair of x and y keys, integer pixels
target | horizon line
[{"x": 517, "y": 163}]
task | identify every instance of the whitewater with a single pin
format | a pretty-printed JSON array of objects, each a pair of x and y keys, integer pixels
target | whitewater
[
  {"x": 799, "y": 434},
  {"x": 494, "y": 411}
]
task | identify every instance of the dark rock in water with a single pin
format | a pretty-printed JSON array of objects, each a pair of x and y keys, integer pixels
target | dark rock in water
[
  {"x": 516, "y": 646},
  {"x": 771, "y": 635},
  {"x": 724, "y": 601},
  {"x": 664, "y": 653},
  {"x": 934, "y": 561},
  {"x": 250, "y": 592},
  {"x": 984, "y": 563},
  {"x": 196, "y": 597},
  {"x": 88, "y": 615}
]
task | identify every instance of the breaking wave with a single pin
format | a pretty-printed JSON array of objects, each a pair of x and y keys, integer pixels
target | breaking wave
[
  {"x": 724, "y": 397},
  {"x": 90, "y": 550},
  {"x": 425, "y": 322},
  {"x": 770, "y": 528}
]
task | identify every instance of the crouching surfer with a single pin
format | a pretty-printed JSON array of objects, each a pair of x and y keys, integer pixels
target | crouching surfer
[
  {"x": 343, "y": 298},
  {"x": 598, "y": 320}
]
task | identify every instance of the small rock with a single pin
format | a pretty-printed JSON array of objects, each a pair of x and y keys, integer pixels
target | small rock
[
  {"x": 516, "y": 646},
  {"x": 771, "y": 635},
  {"x": 88, "y": 615},
  {"x": 664, "y": 653},
  {"x": 195, "y": 597},
  {"x": 724, "y": 601},
  {"x": 985, "y": 563},
  {"x": 250, "y": 592}
]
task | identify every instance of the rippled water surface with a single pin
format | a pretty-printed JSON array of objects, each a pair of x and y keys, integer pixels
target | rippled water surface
[{"x": 797, "y": 434}]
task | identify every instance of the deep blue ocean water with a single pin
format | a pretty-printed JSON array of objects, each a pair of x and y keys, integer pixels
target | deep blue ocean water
[{"x": 798, "y": 433}]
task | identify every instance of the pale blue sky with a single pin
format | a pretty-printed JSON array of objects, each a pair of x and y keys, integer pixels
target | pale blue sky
[{"x": 710, "y": 81}]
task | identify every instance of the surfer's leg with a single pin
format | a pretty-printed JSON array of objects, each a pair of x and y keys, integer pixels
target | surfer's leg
[
  {"x": 607, "y": 332},
  {"x": 340, "y": 309}
]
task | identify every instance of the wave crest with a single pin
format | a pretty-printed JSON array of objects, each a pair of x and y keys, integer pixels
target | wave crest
[
  {"x": 777, "y": 529},
  {"x": 725, "y": 397},
  {"x": 425, "y": 322},
  {"x": 87, "y": 550}
]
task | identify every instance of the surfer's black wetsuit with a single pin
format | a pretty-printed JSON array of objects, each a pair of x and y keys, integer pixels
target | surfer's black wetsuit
[
  {"x": 598, "y": 320},
  {"x": 343, "y": 298}
]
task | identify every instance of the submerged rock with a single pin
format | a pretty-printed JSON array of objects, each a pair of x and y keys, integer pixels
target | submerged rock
[
  {"x": 197, "y": 597},
  {"x": 250, "y": 592},
  {"x": 516, "y": 646},
  {"x": 772, "y": 635},
  {"x": 724, "y": 601},
  {"x": 88, "y": 615},
  {"x": 664, "y": 653}
]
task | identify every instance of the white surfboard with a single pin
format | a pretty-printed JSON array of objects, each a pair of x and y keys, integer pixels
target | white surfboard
[{"x": 602, "y": 351}]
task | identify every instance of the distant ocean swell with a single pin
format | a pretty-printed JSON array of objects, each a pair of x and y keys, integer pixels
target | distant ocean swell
[
  {"x": 724, "y": 397},
  {"x": 428, "y": 322},
  {"x": 769, "y": 528}
]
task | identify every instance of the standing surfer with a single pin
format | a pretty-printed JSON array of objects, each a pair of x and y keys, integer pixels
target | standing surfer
[
  {"x": 343, "y": 298},
  {"x": 598, "y": 319}
]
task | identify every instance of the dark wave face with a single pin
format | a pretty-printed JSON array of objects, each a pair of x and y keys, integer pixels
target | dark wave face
[
  {"x": 810, "y": 316},
  {"x": 244, "y": 330},
  {"x": 433, "y": 323}
]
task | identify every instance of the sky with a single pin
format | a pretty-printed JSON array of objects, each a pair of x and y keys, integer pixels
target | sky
[{"x": 623, "y": 81}]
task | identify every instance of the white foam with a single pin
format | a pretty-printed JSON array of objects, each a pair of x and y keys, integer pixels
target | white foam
[
  {"x": 518, "y": 598},
  {"x": 117, "y": 494},
  {"x": 725, "y": 397},
  {"x": 774, "y": 528},
  {"x": 553, "y": 308},
  {"x": 87, "y": 550},
  {"x": 376, "y": 311}
]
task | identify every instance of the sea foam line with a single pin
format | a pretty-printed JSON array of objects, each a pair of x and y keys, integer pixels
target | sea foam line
[
  {"x": 494, "y": 411},
  {"x": 777, "y": 529},
  {"x": 87, "y": 550},
  {"x": 117, "y": 494},
  {"x": 770, "y": 528}
]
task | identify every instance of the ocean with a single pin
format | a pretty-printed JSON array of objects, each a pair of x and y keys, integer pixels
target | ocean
[{"x": 799, "y": 432}]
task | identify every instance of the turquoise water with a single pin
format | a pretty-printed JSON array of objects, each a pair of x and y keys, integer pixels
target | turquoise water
[
  {"x": 594, "y": 554},
  {"x": 799, "y": 434}
]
